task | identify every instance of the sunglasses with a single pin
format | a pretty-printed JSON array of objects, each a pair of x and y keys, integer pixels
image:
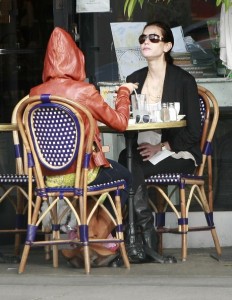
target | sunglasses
[
  {"x": 154, "y": 38},
  {"x": 142, "y": 119}
]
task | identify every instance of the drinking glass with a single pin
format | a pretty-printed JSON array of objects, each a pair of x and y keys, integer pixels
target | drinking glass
[
  {"x": 172, "y": 111},
  {"x": 139, "y": 104},
  {"x": 157, "y": 116},
  {"x": 177, "y": 107},
  {"x": 165, "y": 112}
]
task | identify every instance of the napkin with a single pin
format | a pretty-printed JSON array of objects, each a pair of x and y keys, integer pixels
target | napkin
[{"x": 154, "y": 138}]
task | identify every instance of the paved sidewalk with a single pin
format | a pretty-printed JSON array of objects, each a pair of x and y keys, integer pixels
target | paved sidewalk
[{"x": 200, "y": 277}]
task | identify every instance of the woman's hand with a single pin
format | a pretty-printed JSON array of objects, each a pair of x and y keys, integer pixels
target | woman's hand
[
  {"x": 131, "y": 86},
  {"x": 147, "y": 150}
]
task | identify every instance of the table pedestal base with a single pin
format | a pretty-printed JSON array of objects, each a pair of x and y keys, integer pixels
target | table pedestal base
[{"x": 134, "y": 245}]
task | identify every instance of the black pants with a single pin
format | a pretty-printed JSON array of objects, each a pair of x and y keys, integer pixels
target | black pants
[
  {"x": 144, "y": 169},
  {"x": 115, "y": 172}
]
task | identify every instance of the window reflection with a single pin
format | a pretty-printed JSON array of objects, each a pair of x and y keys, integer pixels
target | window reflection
[
  {"x": 25, "y": 27},
  {"x": 195, "y": 16}
]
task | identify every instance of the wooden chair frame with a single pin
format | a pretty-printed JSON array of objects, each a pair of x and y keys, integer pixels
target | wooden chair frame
[
  {"x": 18, "y": 181},
  {"x": 194, "y": 183},
  {"x": 73, "y": 196}
]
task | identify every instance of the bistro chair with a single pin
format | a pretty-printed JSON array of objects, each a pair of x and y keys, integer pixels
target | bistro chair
[
  {"x": 14, "y": 185},
  {"x": 190, "y": 186},
  {"x": 53, "y": 133}
]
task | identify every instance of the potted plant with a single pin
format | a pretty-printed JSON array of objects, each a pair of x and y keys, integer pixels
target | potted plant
[{"x": 129, "y": 5}]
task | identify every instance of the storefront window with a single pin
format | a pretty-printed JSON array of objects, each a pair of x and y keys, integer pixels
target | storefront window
[
  {"x": 199, "y": 20},
  {"x": 25, "y": 27}
]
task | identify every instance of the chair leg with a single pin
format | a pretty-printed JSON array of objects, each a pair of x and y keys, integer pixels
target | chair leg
[
  {"x": 120, "y": 232},
  {"x": 55, "y": 256},
  {"x": 56, "y": 236},
  {"x": 207, "y": 211},
  {"x": 158, "y": 205},
  {"x": 184, "y": 246},
  {"x": 47, "y": 248},
  {"x": 160, "y": 243},
  {"x": 20, "y": 206},
  {"x": 86, "y": 259},
  {"x": 124, "y": 255},
  {"x": 216, "y": 241},
  {"x": 23, "y": 261},
  {"x": 17, "y": 243},
  {"x": 183, "y": 221}
]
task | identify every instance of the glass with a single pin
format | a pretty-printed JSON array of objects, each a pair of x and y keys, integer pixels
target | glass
[
  {"x": 153, "y": 37},
  {"x": 139, "y": 105},
  {"x": 165, "y": 117},
  {"x": 157, "y": 116},
  {"x": 177, "y": 107},
  {"x": 154, "y": 111},
  {"x": 172, "y": 112}
]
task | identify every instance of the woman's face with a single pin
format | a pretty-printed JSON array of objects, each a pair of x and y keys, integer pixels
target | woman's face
[{"x": 151, "y": 50}]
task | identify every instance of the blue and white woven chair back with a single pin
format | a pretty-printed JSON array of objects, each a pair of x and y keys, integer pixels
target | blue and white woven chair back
[
  {"x": 202, "y": 110},
  {"x": 55, "y": 132}
]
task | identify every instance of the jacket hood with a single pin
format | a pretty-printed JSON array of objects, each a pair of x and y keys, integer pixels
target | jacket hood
[{"x": 63, "y": 59}]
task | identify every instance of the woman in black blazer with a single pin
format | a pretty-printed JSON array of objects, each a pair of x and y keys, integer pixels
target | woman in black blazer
[{"x": 162, "y": 81}]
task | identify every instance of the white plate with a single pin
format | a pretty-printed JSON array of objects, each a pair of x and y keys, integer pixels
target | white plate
[{"x": 180, "y": 117}]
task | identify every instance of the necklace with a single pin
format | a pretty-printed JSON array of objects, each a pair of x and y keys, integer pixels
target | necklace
[{"x": 154, "y": 92}]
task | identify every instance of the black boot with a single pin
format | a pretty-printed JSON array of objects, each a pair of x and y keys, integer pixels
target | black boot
[
  {"x": 145, "y": 219},
  {"x": 150, "y": 245}
]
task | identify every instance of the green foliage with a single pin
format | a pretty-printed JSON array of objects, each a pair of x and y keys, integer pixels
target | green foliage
[
  {"x": 129, "y": 5},
  {"x": 227, "y": 3}
]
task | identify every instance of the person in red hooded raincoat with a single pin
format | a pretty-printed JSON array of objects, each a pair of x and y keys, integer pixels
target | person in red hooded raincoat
[{"x": 64, "y": 75}]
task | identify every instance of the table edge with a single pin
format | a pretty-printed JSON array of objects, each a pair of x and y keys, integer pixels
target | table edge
[
  {"x": 8, "y": 127},
  {"x": 145, "y": 126}
]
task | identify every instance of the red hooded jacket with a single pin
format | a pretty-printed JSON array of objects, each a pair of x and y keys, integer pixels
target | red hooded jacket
[{"x": 64, "y": 75}]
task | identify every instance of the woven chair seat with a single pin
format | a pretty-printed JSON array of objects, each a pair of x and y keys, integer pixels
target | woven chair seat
[
  {"x": 112, "y": 184},
  {"x": 13, "y": 179},
  {"x": 78, "y": 191},
  {"x": 170, "y": 178}
]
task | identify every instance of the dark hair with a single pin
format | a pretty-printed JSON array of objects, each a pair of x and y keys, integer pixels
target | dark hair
[{"x": 167, "y": 36}]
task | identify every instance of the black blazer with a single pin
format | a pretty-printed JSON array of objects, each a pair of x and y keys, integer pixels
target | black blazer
[{"x": 179, "y": 86}]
